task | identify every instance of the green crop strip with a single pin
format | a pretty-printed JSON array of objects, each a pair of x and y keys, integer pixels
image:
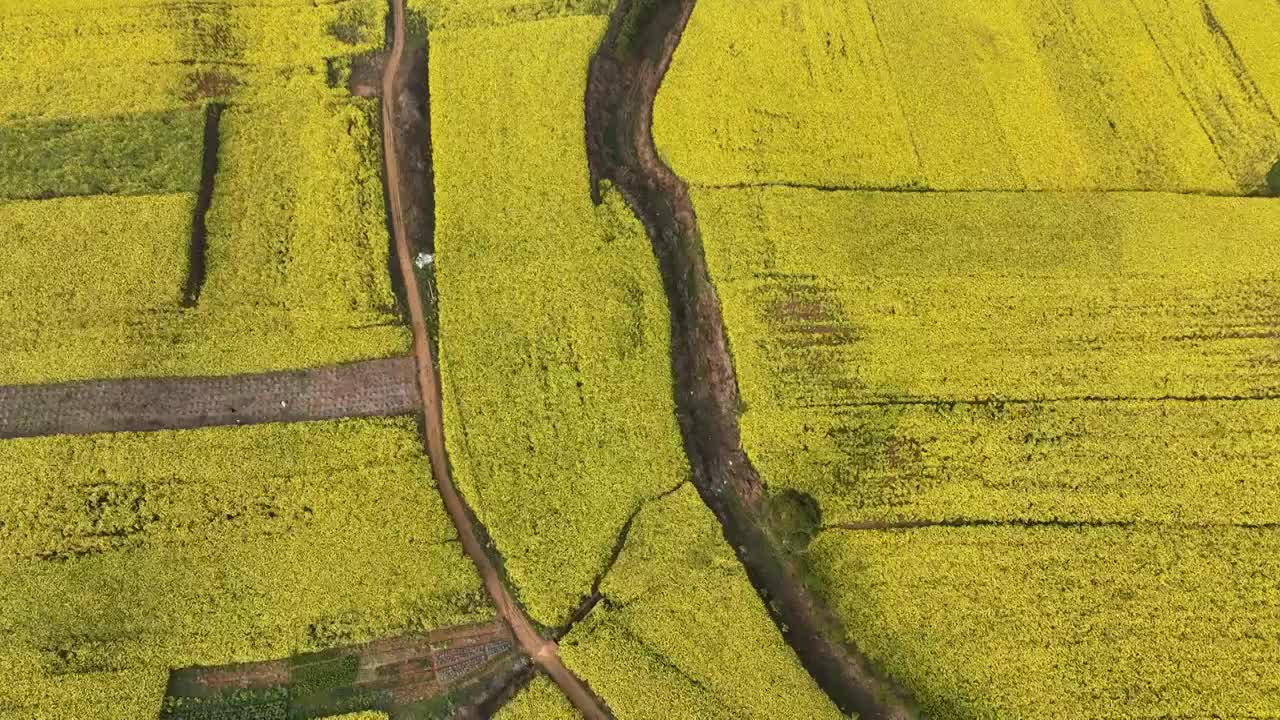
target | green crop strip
[{"x": 122, "y": 556}]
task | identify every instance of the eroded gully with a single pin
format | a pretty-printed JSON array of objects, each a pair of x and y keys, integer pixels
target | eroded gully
[{"x": 623, "y": 81}]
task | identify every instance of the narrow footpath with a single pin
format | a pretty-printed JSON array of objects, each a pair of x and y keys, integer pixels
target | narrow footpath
[
  {"x": 542, "y": 651},
  {"x": 372, "y": 388}
]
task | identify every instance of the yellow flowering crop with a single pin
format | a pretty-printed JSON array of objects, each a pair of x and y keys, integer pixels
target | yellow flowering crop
[
  {"x": 455, "y": 14},
  {"x": 124, "y": 555},
  {"x": 553, "y": 325},
  {"x": 541, "y": 700},
  {"x": 1082, "y": 311},
  {"x": 74, "y": 58},
  {"x": 296, "y": 247},
  {"x": 681, "y": 633}
]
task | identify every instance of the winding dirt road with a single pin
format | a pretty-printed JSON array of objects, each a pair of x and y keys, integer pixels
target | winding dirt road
[{"x": 541, "y": 650}]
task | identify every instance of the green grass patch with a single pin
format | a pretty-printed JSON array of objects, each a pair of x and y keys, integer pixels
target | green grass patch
[
  {"x": 145, "y": 154},
  {"x": 317, "y": 673}
]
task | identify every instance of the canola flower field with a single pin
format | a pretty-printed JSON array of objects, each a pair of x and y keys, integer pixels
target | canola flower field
[
  {"x": 959, "y": 355},
  {"x": 125, "y": 555},
  {"x": 102, "y": 179},
  {"x": 976, "y": 94},
  {"x": 540, "y": 700},
  {"x": 680, "y": 631},
  {"x": 553, "y": 325},
  {"x": 1056, "y": 378}
]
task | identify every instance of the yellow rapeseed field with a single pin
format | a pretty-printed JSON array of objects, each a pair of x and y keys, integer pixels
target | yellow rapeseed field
[
  {"x": 456, "y": 14},
  {"x": 297, "y": 262},
  {"x": 1032, "y": 336},
  {"x": 75, "y": 58},
  {"x": 554, "y": 331},
  {"x": 122, "y": 556},
  {"x": 297, "y": 245},
  {"x": 681, "y": 633},
  {"x": 541, "y": 700},
  {"x": 976, "y": 94},
  {"x": 1059, "y": 623}
]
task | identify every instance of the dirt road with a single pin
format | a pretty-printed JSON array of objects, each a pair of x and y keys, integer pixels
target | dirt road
[
  {"x": 363, "y": 389},
  {"x": 623, "y": 81},
  {"x": 541, "y": 650}
]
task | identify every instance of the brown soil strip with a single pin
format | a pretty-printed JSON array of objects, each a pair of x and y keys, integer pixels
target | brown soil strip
[
  {"x": 624, "y": 78},
  {"x": 542, "y": 651},
  {"x": 364, "y": 389},
  {"x": 391, "y": 672},
  {"x": 204, "y": 200}
]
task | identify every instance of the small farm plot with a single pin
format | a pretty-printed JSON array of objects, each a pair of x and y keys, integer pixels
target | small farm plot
[
  {"x": 1092, "y": 357},
  {"x": 554, "y": 331},
  {"x": 122, "y": 556},
  {"x": 129, "y": 260},
  {"x": 1120, "y": 622},
  {"x": 681, "y": 633},
  {"x": 976, "y": 94}
]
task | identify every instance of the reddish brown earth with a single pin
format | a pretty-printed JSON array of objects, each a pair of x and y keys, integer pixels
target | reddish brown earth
[
  {"x": 363, "y": 389},
  {"x": 542, "y": 651}
]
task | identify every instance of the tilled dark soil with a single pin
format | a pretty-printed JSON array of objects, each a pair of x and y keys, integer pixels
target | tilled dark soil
[
  {"x": 363, "y": 389},
  {"x": 623, "y": 81},
  {"x": 475, "y": 663}
]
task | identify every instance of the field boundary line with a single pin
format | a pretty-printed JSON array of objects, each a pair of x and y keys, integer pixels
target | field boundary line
[{"x": 908, "y": 190}]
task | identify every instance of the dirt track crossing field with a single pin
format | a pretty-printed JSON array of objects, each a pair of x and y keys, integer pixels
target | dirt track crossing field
[
  {"x": 365, "y": 389},
  {"x": 541, "y": 650}
]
